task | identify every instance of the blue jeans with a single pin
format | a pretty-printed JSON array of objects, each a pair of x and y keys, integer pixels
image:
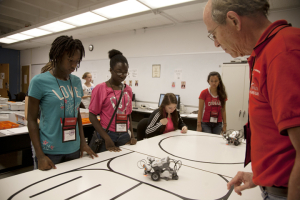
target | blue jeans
[
  {"x": 209, "y": 127},
  {"x": 59, "y": 158},
  {"x": 118, "y": 138},
  {"x": 266, "y": 196}
]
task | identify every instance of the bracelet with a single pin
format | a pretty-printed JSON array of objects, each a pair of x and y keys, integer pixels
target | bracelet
[{"x": 198, "y": 122}]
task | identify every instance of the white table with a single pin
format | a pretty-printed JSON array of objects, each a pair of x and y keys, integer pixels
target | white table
[{"x": 208, "y": 163}]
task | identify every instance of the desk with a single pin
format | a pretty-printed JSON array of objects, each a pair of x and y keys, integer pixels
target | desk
[
  {"x": 21, "y": 142},
  {"x": 138, "y": 114},
  {"x": 208, "y": 163}
]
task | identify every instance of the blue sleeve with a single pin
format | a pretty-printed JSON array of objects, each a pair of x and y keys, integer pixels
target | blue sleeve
[{"x": 35, "y": 88}]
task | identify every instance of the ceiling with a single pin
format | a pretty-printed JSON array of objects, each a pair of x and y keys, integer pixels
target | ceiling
[{"x": 16, "y": 15}]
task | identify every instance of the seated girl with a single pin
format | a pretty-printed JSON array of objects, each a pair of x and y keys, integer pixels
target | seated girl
[{"x": 166, "y": 118}]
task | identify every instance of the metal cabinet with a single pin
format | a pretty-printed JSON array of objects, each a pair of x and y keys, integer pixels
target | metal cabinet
[{"x": 235, "y": 77}]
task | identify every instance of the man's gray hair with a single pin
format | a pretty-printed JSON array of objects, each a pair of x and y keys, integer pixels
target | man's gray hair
[{"x": 220, "y": 8}]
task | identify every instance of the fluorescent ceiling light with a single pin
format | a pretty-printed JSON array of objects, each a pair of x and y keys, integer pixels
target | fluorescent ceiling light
[
  {"x": 36, "y": 32},
  {"x": 56, "y": 26},
  {"x": 163, "y": 3},
  {"x": 121, "y": 9},
  {"x": 7, "y": 40},
  {"x": 19, "y": 36},
  {"x": 84, "y": 19}
]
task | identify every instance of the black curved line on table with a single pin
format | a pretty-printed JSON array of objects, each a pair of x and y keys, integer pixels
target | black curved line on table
[
  {"x": 77, "y": 169},
  {"x": 159, "y": 144},
  {"x": 184, "y": 198},
  {"x": 111, "y": 170},
  {"x": 229, "y": 192}
]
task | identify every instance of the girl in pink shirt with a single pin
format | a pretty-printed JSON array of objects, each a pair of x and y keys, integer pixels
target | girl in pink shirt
[{"x": 104, "y": 100}]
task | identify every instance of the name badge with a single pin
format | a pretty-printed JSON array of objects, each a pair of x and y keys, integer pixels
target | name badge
[
  {"x": 214, "y": 117},
  {"x": 69, "y": 129},
  {"x": 69, "y": 134},
  {"x": 121, "y": 123}
]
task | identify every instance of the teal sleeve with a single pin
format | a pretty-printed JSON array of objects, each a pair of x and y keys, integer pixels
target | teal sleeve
[{"x": 35, "y": 88}]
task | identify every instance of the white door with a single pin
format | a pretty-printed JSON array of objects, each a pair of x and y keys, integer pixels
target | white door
[
  {"x": 233, "y": 76},
  {"x": 244, "y": 116}
]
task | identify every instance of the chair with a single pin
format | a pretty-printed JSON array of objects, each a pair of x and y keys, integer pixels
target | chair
[
  {"x": 9, "y": 96},
  {"x": 82, "y": 105},
  {"x": 20, "y": 96},
  {"x": 141, "y": 128}
]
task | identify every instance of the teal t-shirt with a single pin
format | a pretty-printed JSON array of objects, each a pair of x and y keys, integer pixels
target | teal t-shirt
[{"x": 45, "y": 88}]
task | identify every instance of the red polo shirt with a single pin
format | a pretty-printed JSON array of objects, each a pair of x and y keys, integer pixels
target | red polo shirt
[{"x": 274, "y": 103}]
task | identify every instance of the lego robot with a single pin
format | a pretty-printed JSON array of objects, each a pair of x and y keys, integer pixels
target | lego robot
[
  {"x": 233, "y": 137},
  {"x": 160, "y": 168}
]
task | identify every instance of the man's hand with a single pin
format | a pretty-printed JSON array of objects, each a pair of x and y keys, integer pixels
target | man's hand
[{"x": 241, "y": 177}]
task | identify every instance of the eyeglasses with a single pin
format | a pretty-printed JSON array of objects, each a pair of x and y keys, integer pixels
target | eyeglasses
[
  {"x": 120, "y": 74},
  {"x": 211, "y": 35}
]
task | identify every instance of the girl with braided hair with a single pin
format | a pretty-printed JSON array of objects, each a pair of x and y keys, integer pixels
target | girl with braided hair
[
  {"x": 104, "y": 101},
  {"x": 59, "y": 136}
]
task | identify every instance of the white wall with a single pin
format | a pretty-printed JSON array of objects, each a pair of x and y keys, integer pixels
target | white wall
[{"x": 172, "y": 40}]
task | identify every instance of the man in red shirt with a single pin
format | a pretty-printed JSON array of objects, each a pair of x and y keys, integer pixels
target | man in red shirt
[{"x": 241, "y": 28}]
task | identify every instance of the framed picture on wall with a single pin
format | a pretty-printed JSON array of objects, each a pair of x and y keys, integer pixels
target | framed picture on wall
[{"x": 155, "y": 71}]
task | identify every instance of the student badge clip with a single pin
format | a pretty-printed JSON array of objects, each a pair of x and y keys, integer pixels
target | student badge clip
[{"x": 69, "y": 129}]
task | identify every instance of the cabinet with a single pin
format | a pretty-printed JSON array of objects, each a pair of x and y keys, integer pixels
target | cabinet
[{"x": 236, "y": 80}]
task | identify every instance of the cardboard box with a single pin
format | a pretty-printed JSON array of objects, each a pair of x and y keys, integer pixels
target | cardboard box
[
  {"x": 84, "y": 113},
  {"x": 20, "y": 118},
  {"x": 3, "y": 100}
]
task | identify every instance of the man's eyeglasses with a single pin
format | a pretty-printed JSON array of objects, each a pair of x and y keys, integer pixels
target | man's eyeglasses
[
  {"x": 211, "y": 35},
  {"x": 120, "y": 74}
]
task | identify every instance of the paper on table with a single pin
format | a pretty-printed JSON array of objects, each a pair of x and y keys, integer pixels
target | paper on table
[
  {"x": 193, "y": 115},
  {"x": 23, "y": 129},
  {"x": 6, "y": 132}
]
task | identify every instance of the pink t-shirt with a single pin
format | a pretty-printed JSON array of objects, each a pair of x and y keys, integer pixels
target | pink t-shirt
[
  {"x": 169, "y": 126},
  {"x": 103, "y": 103}
]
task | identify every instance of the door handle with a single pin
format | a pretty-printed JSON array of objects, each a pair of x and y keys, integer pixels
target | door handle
[
  {"x": 244, "y": 113},
  {"x": 240, "y": 113}
]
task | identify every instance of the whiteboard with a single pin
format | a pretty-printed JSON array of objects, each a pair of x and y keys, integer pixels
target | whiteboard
[{"x": 195, "y": 69}]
